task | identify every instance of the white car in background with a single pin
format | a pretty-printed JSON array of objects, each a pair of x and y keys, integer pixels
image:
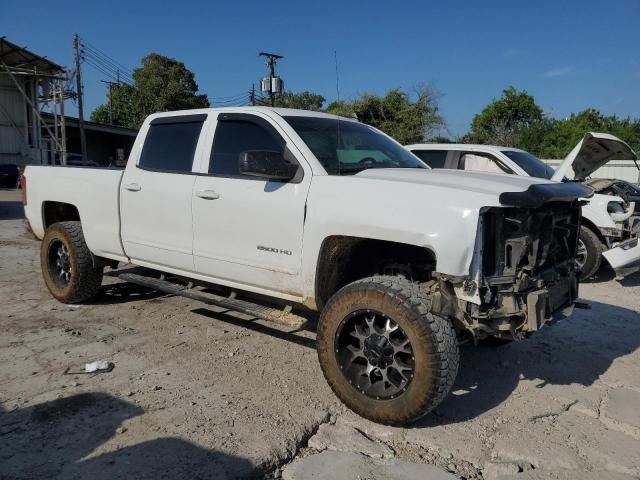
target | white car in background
[{"x": 610, "y": 225}]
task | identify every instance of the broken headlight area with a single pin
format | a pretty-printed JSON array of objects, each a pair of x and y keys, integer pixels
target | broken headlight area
[{"x": 528, "y": 272}]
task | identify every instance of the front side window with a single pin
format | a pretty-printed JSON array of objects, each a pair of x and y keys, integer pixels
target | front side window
[
  {"x": 433, "y": 158},
  {"x": 345, "y": 147},
  {"x": 234, "y": 137},
  {"x": 170, "y": 147},
  {"x": 530, "y": 164}
]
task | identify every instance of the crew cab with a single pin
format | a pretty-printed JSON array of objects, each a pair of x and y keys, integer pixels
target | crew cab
[
  {"x": 610, "y": 220},
  {"x": 404, "y": 262}
]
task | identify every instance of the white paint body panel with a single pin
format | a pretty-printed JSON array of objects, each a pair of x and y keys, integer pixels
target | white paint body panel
[
  {"x": 595, "y": 210},
  {"x": 168, "y": 225},
  {"x": 592, "y": 152},
  {"x": 625, "y": 258},
  {"x": 93, "y": 191}
]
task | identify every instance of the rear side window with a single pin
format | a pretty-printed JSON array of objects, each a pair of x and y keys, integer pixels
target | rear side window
[
  {"x": 171, "y": 146},
  {"x": 234, "y": 137},
  {"x": 433, "y": 158}
]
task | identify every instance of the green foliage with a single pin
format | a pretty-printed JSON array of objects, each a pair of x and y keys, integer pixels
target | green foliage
[
  {"x": 406, "y": 119},
  {"x": 161, "y": 84},
  {"x": 515, "y": 120},
  {"x": 126, "y": 107},
  {"x": 504, "y": 120},
  {"x": 566, "y": 133},
  {"x": 303, "y": 100}
]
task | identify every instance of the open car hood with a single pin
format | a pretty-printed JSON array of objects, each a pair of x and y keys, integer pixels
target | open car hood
[{"x": 591, "y": 153}]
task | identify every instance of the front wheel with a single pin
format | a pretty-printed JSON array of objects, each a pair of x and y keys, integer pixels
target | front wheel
[
  {"x": 589, "y": 255},
  {"x": 383, "y": 352},
  {"x": 66, "y": 263}
]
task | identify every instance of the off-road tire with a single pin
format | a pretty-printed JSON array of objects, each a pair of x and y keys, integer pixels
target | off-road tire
[
  {"x": 85, "y": 279},
  {"x": 433, "y": 341},
  {"x": 594, "y": 252}
]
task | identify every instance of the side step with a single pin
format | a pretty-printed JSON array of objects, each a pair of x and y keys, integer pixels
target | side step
[{"x": 259, "y": 311}]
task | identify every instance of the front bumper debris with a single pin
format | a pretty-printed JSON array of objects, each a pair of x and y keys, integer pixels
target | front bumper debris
[{"x": 624, "y": 258}]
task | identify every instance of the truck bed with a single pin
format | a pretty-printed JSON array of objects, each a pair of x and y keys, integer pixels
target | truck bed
[{"x": 93, "y": 191}]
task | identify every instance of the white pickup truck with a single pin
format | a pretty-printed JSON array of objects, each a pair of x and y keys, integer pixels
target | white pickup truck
[{"x": 403, "y": 262}]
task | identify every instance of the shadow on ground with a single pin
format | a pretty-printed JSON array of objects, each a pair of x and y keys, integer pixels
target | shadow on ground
[
  {"x": 10, "y": 210},
  {"x": 606, "y": 274},
  {"x": 124, "y": 292},
  {"x": 577, "y": 350},
  {"x": 56, "y": 439}
]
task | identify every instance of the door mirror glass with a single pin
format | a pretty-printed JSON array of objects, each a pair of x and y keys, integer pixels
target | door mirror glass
[{"x": 266, "y": 164}]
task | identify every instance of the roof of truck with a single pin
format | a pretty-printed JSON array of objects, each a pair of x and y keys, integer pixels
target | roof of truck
[
  {"x": 283, "y": 112},
  {"x": 459, "y": 146}
]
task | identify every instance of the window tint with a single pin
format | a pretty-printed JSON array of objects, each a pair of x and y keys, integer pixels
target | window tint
[
  {"x": 530, "y": 164},
  {"x": 234, "y": 137},
  {"x": 170, "y": 146},
  {"x": 433, "y": 158}
]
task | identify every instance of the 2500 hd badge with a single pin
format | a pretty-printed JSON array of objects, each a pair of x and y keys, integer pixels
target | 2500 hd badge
[{"x": 274, "y": 250}]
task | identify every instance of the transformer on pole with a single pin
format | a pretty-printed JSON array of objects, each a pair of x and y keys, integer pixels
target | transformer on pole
[{"x": 272, "y": 84}]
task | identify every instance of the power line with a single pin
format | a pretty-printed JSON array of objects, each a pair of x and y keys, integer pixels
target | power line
[
  {"x": 229, "y": 96},
  {"x": 107, "y": 66},
  {"x": 107, "y": 63},
  {"x": 100, "y": 52},
  {"x": 109, "y": 74}
]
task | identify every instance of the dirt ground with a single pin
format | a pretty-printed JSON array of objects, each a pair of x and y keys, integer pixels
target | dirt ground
[{"x": 198, "y": 392}]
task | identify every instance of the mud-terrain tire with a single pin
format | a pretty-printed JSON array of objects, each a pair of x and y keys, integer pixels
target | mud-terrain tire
[
  {"x": 66, "y": 263},
  {"x": 592, "y": 248},
  {"x": 433, "y": 348}
]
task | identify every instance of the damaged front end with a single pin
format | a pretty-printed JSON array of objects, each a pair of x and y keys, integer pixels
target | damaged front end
[{"x": 524, "y": 271}]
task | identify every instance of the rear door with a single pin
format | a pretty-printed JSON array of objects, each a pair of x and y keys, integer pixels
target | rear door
[
  {"x": 156, "y": 194},
  {"x": 248, "y": 229}
]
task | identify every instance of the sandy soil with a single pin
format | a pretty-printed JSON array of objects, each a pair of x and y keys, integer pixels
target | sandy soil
[{"x": 198, "y": 392}]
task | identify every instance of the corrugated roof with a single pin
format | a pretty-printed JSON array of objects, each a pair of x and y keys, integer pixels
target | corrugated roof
[
  {"x": 98, "y": 127},
  {"x": 19, "y": 57}
]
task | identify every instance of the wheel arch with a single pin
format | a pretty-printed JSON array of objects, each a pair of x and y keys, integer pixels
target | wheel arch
[
  {"x": 54, "y": 212},
  {"x": 344, "y": 259}
]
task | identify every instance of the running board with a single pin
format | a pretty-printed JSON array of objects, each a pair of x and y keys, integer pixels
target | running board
[{"x": 283, "y": 316}]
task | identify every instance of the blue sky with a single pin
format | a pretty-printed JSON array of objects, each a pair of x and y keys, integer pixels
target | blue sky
[{"x": 570, "y": 54}]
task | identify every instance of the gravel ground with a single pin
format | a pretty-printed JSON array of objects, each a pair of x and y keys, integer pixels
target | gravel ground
[{"x": 198, "y": 392}]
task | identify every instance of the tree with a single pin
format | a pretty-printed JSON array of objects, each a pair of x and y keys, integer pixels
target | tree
[
  {"x": 407, "y": 118},
  {"x": 160, "y": 84},
  {"x": 303, "y": 100},
  {"x": 126, "y": 108},
  {"x": 507, "y": 119},
  {"x": 566, "y": 133}
]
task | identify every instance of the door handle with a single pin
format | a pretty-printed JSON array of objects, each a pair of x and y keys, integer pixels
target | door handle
[
  {"x": 208, "y": 194},
  {"x": 133, "y": 187}
]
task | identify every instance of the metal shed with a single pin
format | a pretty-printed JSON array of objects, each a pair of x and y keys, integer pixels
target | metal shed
[{"x": 29, "y": 83}]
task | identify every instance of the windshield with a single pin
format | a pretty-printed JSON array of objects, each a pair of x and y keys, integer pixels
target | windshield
[
  {"x": 530, "y": 164},
  {"x": 345, "y": 147}
]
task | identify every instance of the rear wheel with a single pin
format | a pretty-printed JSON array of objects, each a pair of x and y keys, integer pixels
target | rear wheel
[
  {"x": 66, "y": 263},
  {"x": 382, "y": 351},
  {"x": 589, "y": 255}
]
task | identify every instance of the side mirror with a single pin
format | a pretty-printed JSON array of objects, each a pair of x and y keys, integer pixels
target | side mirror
[{"x": 266, "y": 164}]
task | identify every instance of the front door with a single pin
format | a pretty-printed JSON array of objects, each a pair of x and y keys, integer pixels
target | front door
[{"x": 248, "y": 229}]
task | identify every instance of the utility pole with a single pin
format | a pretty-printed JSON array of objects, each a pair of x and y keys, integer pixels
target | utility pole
[
  {"x": 252, "y": 94},
  {"x": 76, "y": 59},
  {"x": 271, "y": 84},
  {"x": 110, "y": 83}
]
